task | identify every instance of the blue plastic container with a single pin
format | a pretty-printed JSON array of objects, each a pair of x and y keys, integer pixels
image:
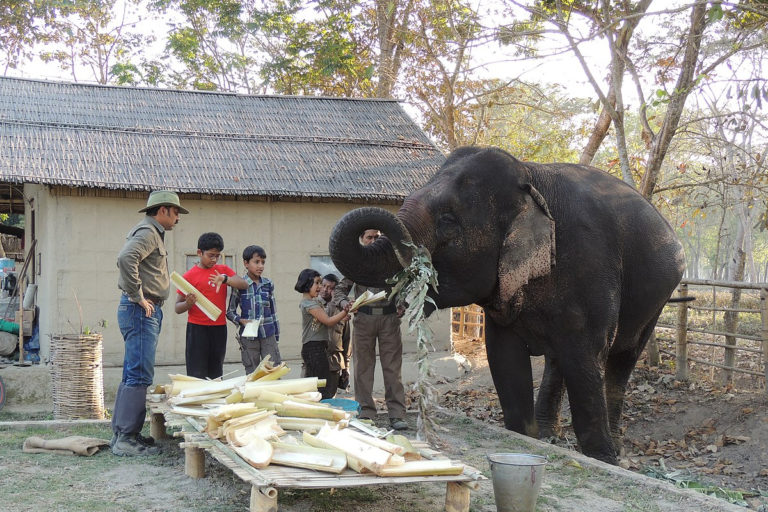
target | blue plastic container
[{"x": 343, "y": 403}]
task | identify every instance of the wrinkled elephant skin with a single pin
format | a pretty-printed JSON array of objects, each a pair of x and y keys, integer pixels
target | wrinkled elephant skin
[{"x": 568, "y": 262}]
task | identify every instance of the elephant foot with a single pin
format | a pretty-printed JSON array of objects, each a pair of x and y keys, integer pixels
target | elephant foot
[
  {"x": 609, "y": 458},
  {"x": 547, "y": 431},
  {"x": 618, "y": 444},
  {"x": 549, "y": 439}
]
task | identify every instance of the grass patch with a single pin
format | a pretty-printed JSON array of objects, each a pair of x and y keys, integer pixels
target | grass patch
[
  {"x": 26, "y": 416},
  {"x": 330, "y": 500}
]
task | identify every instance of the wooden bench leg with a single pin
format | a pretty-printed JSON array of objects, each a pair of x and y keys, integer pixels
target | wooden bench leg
[
  {"x": 456, "y": 497},
  {"x": 157, "y": 426},
  {"x": 263, "y": 499},
  {"x": 194, "y": 462}
]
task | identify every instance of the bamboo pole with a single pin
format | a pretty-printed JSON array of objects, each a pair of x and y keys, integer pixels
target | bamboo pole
[
  {"x": 764, "y": 331},
  {"x": 21, "y": 318},
  {"x": 157, "y": 426},
  {"x": 194, "y": 462},
  {"x": 456, "y": 497},
  {"x": 263, "y": 499},
  {"x": 682, "y": 347},
  {"x": 653, "y": 350}
]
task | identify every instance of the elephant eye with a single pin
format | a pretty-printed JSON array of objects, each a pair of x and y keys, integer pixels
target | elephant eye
[
  {"x": 447, "y": 218},
  {"x": 447, "y": 226}
]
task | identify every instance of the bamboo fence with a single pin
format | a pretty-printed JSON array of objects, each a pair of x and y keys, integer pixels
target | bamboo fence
[
  {"x": 732, "y": 338},
  {"x": 468, "y": 322}
]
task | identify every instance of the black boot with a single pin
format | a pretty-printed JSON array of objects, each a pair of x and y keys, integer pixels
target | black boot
[
  {"x": 128, "y": 445},
  {"x": 146, "y": 441}
]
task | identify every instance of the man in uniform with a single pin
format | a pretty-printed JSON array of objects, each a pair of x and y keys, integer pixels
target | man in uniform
[
  {"x": 379, "y": 321},
  {"x": 145, "y": 285},
  {"x": 338, "y": 344}
]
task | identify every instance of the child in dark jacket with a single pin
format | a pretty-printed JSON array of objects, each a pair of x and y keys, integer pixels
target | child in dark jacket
[{"x": 256, "y": 304}]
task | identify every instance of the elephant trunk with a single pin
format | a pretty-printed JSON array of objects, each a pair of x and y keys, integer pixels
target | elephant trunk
[
  {"x": 369, "y": 265},
  {"x": 418, "y": 221}
]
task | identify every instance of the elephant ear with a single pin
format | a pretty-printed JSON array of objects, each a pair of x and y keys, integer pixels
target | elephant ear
[{"x": 528, "y": 251}]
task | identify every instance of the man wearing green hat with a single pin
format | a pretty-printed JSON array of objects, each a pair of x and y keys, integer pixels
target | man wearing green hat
[{"x": 146, "y": 284}]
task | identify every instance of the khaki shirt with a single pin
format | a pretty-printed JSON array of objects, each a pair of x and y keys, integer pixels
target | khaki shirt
[
  {"x": 143, "y": 262},
  {"x": 337, "y": 330}
]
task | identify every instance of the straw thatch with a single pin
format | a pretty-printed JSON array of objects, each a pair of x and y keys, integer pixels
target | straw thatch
[{"x": 124, "y": 138}]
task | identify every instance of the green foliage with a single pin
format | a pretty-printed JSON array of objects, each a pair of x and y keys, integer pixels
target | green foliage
[
  {"x": 20, "y": 28},
  {"x": 92, "y": 35},
  {"x": 410, "y": 286},
  {"x": 535, "y": 123},
  {"x": 685, "y": 481}
]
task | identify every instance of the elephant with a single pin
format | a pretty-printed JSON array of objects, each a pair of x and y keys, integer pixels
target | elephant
[{"x": 567, "y": 261}]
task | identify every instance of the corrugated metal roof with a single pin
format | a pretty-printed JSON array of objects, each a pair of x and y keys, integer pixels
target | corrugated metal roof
[{"x": 211, "y": 143}]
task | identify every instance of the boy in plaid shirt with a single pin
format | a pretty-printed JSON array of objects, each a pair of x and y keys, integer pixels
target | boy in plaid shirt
[{"x": 256, "y": 303}]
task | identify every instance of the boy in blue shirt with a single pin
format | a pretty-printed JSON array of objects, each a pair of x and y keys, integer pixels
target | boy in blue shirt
[{"x": 256, "y": 303}]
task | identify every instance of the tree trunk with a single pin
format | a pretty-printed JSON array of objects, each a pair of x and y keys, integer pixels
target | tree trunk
[
  {"x": 683, "y": 87},
  {"x": 390, "y": 35},
  {"x": 598, "y": 132},
  {"x": 731, "y": 318}
]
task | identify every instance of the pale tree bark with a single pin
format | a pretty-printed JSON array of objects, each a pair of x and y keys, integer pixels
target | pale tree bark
[
  {"x": 685, "y": 81},
  {"x": 598, "y": 132},
  {"x": 392, "y": 17},
  {"x": 612, "y": 103}
]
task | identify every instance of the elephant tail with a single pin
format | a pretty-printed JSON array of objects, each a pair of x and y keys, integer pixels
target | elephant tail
[{"x": 681, "y": 299}]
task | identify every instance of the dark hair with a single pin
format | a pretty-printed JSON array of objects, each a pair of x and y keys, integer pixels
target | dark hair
[
  {"x": 249, "y": 251},
  {"x": 153, "y": 211},
  {"x": 306, "y": 280},
  {"x": 208, "y": 241},
  {"x": 331, "y": 277}
]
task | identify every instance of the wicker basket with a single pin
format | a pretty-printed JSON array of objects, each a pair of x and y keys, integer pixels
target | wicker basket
[{"x": 77, "y": 378}]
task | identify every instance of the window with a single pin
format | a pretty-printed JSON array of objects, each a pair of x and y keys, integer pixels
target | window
[
  {"x": 227, "y": 259},
  {"x": 324, "y": 265}
]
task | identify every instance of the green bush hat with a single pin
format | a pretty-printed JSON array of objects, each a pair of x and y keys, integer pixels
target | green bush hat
[{"x": 163, "y": 198}]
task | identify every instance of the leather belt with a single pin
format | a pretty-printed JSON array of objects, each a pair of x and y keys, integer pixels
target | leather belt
[
  {"x": 384, "y": 310},
  {"x": 154, "y": 300}
]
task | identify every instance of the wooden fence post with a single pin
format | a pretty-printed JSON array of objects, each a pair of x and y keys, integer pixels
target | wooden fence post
[
  {"x": 653, "y": 350},
  {"x": 764, "y": 331},
  {"x": 682, "y": 332}
]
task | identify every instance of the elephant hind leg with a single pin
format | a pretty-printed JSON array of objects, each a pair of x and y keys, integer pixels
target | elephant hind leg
[
  {"x": 618, "y": 369},
  {"x": 549, "y": 400}
]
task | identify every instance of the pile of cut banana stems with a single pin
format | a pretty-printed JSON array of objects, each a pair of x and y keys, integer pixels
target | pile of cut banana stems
[{"x": 268, "y": 420}]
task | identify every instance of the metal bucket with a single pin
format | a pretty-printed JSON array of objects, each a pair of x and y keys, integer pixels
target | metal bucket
[{"x": 516, "y": 480}]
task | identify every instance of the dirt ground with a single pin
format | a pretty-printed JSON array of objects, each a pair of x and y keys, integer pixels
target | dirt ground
[
  {"x": 697, "y": 432},
  {"x": 706, "y": 435},
  {"x": 104, "y": 483}
]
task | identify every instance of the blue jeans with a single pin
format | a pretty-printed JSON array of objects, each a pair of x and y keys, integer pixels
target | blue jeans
[{"x": 140, "y": 334}]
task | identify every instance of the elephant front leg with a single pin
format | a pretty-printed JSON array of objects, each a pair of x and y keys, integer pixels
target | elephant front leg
[
  {"x": 549, "y": 400},
  {"x": 510, "y": 365}
]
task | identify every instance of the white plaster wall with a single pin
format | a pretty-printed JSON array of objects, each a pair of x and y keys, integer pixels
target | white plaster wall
[{"x": 79, "y": 238}]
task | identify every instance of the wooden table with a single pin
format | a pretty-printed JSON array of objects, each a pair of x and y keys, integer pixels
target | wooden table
[{"x": 266, "y": 482}]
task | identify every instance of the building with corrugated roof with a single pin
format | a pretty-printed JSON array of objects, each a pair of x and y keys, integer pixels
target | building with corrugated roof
[{"x": 277, "y": 171}]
